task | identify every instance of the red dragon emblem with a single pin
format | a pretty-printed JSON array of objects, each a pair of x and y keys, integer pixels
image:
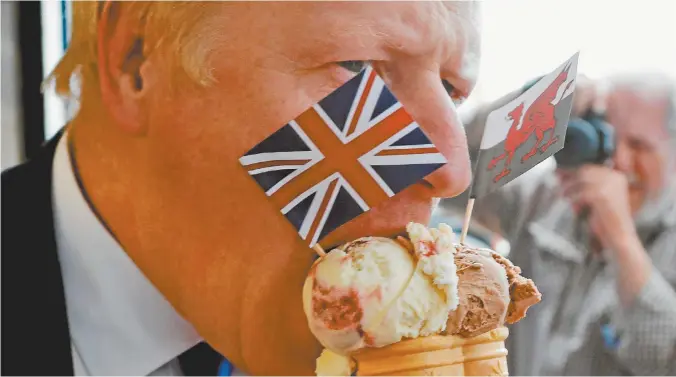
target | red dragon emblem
[{"x": 539, "y": 119}]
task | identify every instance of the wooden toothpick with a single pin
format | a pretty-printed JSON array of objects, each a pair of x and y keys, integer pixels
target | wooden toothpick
[
  {"x": 468, "y": 216},
  {"x": 318, "y": 249}
]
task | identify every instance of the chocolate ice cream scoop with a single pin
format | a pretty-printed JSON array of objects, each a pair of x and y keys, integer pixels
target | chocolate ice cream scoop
[
  {"x": 483, "y": 291},
  {"x": 522, "y": 292},
  {"x": 491, "y": 292}
]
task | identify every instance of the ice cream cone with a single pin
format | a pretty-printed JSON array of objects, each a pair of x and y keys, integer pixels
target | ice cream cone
[{"x": 483, "y": 355}]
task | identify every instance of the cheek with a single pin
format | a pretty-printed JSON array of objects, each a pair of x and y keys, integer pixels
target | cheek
[
  {"x": 196, "y": 139},
  {"x": 650, "y": 167},
  {"x": 220, "y": 123},
  {"x": 247, "y": 109}
]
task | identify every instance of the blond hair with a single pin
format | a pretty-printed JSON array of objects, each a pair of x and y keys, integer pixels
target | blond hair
[{"x": 168, "y": 26}]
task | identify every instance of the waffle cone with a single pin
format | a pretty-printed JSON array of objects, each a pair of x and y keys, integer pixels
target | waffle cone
[{"x": 439, "y": 355}]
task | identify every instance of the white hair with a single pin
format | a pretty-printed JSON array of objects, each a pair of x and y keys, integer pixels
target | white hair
[{"x": 651, "y": 86}]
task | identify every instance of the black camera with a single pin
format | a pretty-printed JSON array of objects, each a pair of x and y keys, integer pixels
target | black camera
[{"x": 589, "y": 139}]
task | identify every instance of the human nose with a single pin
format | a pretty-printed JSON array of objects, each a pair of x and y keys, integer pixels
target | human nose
[{"x": 424, "y": 97}]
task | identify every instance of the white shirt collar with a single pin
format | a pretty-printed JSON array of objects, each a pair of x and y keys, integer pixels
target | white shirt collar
[{"x": 120, "y": 324}]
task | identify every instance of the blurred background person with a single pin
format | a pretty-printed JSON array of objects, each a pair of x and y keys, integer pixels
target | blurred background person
[{"x": 598, "y": 238}]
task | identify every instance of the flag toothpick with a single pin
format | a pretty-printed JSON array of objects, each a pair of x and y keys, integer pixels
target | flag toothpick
[
  {"x": 318, "y": 249},
  {"x": 465, "y": 224}
]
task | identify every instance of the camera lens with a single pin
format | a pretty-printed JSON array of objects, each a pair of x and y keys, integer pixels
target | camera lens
[
  {"x": 588, "y": 141},
  {"x": 581, "y": 145}
]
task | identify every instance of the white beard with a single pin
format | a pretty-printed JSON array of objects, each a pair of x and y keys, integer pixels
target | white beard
[{"x": 655, "y": 208}]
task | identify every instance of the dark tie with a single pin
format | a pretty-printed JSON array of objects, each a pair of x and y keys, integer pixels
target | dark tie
[{"x": 200, "y": 360}]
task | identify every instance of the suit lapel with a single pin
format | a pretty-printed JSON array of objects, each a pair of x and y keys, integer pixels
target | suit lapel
[{"x": 35, "y": 334}]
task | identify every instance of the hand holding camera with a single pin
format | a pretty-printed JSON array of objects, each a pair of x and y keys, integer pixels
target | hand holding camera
[
  {"x": 596, "y": 190},
  {"x": 603, "y": 194}
]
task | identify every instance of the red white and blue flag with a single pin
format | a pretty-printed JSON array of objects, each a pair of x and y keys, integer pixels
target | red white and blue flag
[{"x": 351, "y": 151}]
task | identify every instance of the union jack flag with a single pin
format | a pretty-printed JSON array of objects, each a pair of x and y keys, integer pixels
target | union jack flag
[{"x": 346, "y": 154}]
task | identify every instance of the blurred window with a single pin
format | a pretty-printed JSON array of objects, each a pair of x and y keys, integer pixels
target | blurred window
[
  {"x": 56, "y": 16},
  {"x": 526, "y": 38}
]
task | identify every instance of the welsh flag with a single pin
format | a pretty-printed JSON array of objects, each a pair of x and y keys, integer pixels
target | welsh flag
[{"x": 526, "y": 131}]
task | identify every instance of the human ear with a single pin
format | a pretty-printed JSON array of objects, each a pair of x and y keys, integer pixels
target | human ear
[{"x": 122, "y": 66}]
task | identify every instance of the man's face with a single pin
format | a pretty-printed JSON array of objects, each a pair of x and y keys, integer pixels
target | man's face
[
  {"x": 212, "y": 242},
  {"x": 642, "y": 142}
]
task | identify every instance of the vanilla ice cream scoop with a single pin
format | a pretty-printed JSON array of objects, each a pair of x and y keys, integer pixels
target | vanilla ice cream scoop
[{"x": 375, "y": 291}]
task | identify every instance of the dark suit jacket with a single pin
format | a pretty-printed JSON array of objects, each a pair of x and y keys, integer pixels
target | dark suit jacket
[{"x": 35, "y": 334}]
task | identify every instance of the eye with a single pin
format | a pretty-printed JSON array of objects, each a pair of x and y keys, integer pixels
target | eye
[
  {"x": 638, "y": 145},
  {"x": 448, "y": 86},
  {"x": 354, "y": 66}
]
